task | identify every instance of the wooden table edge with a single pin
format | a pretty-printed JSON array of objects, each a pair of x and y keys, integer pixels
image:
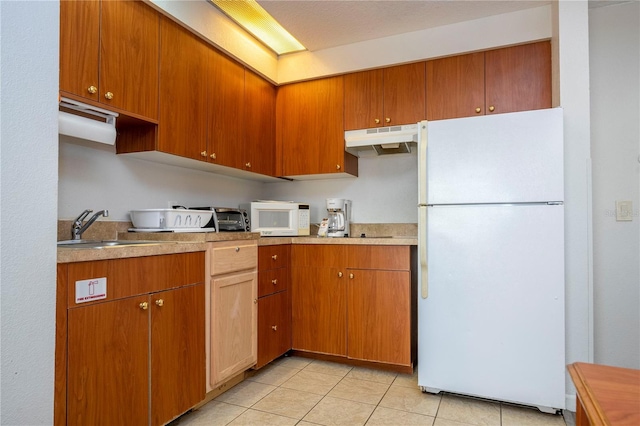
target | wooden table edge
[{"x": 592, "y": 409}]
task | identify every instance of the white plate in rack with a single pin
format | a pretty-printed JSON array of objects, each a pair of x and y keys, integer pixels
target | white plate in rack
[{"x": 172, "y": 230}]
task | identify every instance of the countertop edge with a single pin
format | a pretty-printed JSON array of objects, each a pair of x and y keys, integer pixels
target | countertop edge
[{"x": 167, "y": 244}]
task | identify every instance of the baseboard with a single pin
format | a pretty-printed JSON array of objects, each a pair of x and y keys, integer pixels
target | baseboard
[{"x": 570, "y": 402}]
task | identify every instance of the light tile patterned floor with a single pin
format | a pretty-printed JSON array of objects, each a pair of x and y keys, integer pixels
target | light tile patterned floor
[{"x": 300, "y": 391}]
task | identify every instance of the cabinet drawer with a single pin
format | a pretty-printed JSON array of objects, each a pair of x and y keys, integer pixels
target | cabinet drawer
[
  {"x": 272, "y": 281},
  {"x": 392, "y": 258},
  {"x": 233, "y": 256},
  {"x": 272, "y": 257}
]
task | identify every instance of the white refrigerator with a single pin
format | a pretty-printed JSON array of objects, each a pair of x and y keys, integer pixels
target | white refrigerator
[{"x": 491, "y": 252}]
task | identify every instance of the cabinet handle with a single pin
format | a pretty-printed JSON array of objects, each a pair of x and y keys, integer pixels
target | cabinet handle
[
  {"x": 377, "y": 121},
  {"x": 338, "y": 167},
  {"x": 203, "y": 153},
  {"x": 339, "y": 274},
  {"x": 255, "y": 301},
  {"x": 237, "y": 249},
  {"x": 160, "y": 302},
  {"x": 108, "y": 95},
  {"x": 274, "y": 327},
  {"x": 274, "y": 257},
  {"x": 248, "y": 165},
  {"x": 274, "y": 281},
  {"x": 478, "y": 109},
  {"x": 144, "y": 306},
  {"x": 387, "y": 120},
  {"x": 492, "y": 108},
  {"x": 351, "y": 276},
  {"x": 213, "y": 156},
  {"x": 92, "y": 89}
]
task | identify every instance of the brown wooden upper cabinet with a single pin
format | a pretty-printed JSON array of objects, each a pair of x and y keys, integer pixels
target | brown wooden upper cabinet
[
  {"x": 260, "y": 129},
  {"x": 109, "y": 54},
  {"x": 310, "y": 130},
  {"x": 226, "y": 110},
  {"x": 503, "y": 80},
  {"x": 384, "y": 97},
  {"x": 182, "y": 127}
]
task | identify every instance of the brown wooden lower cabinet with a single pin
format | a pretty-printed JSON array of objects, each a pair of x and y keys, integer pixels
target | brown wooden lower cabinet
[
  {"x": 274, "y": 302},
  {"x": 138, "y": 358},
  {"x": 379, "y": 316},
  {"x": 354, "y": 301},
  {"x": 274, "y": 327}
]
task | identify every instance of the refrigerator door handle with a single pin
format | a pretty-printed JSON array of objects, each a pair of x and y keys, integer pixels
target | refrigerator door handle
[
  {"x": 422, "y": 163},
  {"x": 422, "y": 248}
]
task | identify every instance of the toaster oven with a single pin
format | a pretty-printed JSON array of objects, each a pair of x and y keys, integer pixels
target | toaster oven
[{"x": 226, "y": 219}]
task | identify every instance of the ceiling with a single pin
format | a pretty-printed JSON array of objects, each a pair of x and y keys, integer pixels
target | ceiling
[{"x": 329, "y": 23}]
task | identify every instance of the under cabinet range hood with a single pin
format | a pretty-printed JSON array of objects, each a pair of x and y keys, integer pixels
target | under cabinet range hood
[
  {"x": 382, "y": 140},
  {"x": 86, "y": 122}
]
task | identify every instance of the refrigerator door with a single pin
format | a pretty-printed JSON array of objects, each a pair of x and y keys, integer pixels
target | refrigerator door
[
  {"x": 493, "y": 324},
  {"x": 502, "y": 158}
]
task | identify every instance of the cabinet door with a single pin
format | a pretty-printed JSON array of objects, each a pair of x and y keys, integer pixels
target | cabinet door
[
  {"x": 379, "y": 316},
  {"x": 274, "y": 327},
  {"x": 318, "y": 308},
  {"x": 178, "y": 368},
  {"x": 404, "y": 94},
  {"x": 455, "y": 87},
  {"x": 226, "y": 110},
  {"x": 108, "y": 363},
  {"x": 518, "y": 78},
  {"x": 363, "y": 100},
  {"x": 79, "y": 47},
  {"x": 183, "y": 107},
  {"x": 311, "y": 127},
  {"x": 260, "y": 129},
  {"x": 233, "y": 325},
  {"x": 129, "y": 39}
]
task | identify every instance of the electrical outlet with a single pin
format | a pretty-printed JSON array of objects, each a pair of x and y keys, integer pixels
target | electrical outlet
[{"x": 624, "y": 211}]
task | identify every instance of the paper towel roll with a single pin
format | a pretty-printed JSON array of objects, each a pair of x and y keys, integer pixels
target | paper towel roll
[{"x": 86, "y": 128}]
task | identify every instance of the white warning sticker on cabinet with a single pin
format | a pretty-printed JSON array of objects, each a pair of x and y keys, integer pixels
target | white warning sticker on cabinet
[{"x": 90, "y": 290}]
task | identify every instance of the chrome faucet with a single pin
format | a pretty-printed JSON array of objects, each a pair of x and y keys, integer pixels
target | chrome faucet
[{"x": 78, "y": 227}]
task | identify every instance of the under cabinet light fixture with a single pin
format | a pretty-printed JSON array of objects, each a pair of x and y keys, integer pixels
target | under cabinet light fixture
[{"x": 253, "y": 18}]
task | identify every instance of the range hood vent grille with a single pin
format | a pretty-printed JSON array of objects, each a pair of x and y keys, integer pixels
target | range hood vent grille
[{"x": 382, "y": 140}]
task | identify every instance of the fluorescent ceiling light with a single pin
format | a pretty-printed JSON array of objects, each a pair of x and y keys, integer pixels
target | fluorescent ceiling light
[{"x": 253, "y": 18}]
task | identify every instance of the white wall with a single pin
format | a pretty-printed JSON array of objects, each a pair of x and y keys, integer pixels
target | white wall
[
  {"x": 28, "y": 187},
  {"x": 479, "y": 34},
  {"x": 614, "y": 37},
  {"x": 386, "y": 191},
  {"x": 500, "y": 30},
  {"x": 571, "y": 33},
  {"x": 93, "y": 177}
]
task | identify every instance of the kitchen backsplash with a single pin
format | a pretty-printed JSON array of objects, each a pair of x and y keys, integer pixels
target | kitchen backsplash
[{"x": 108, "y": 230}]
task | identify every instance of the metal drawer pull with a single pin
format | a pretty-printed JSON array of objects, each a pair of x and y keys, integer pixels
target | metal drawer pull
[
  {"x": 351, "y": 276},
  {"x": 274, "y": 281},
  {"x": 339, "y": 274},
  {"x": 274, "y": 327},
  {"x": 274, "y": 257},
  {"x": 160, "y": 302},
  {"x": 237, "y": 249},
  {"x": 144, "y": 306}
]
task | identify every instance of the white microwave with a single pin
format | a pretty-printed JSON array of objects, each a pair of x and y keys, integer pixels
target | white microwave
[{"x": 278, "y": 218}]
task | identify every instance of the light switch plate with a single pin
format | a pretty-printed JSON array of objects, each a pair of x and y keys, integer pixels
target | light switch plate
[{"x": 624, "y": 211}]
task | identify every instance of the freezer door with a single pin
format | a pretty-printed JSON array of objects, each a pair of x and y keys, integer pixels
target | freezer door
[
  {"x": 493, "y": 324},
  {"x": 502, "y": 158}
]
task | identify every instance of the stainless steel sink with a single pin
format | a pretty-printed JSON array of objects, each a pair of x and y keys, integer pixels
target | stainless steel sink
[{"x": 93, "y": 244}]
